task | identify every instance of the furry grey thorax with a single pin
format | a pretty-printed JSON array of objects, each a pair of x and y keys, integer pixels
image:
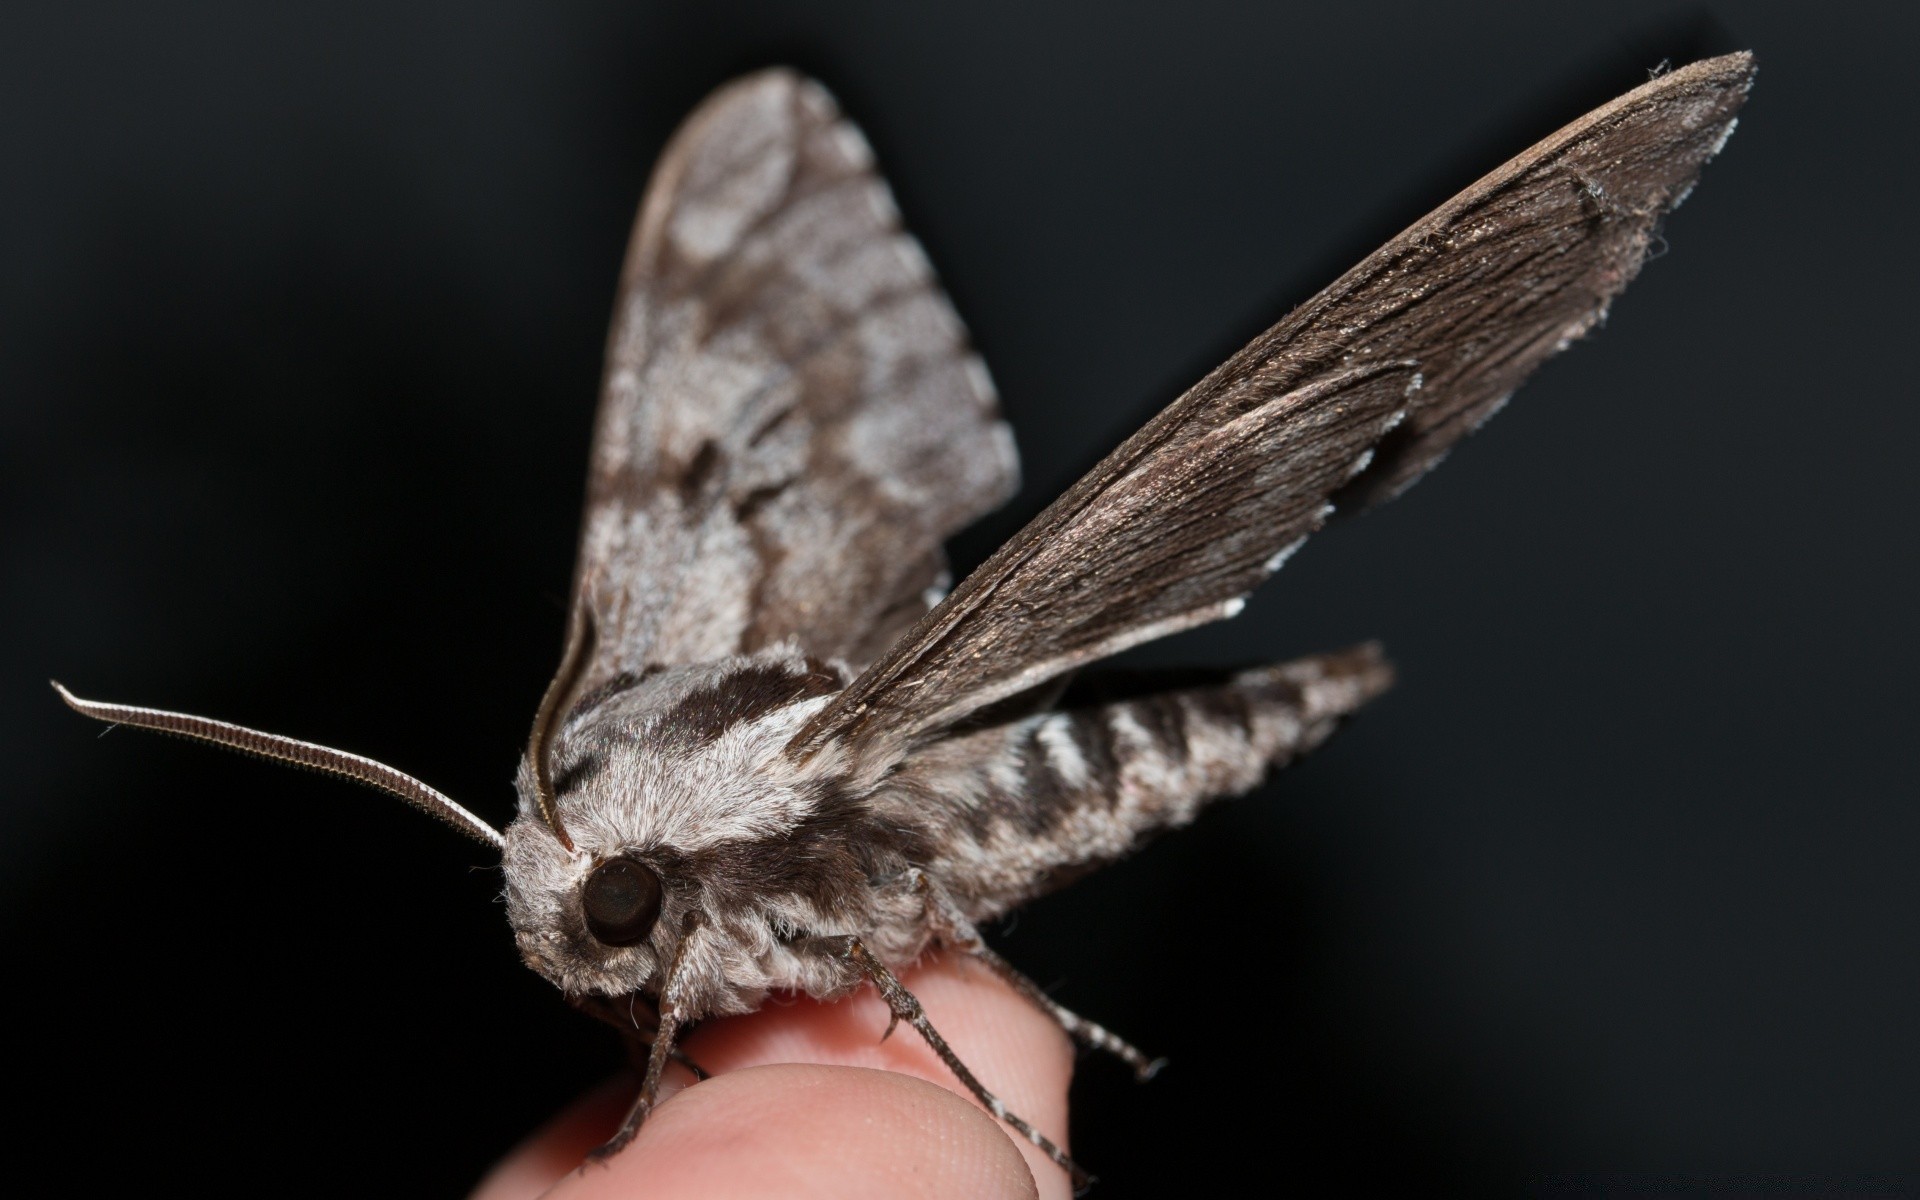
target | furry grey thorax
[{"x": 683, "y": 770}]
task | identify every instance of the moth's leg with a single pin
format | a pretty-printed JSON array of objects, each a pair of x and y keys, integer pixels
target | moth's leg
[
  {"x": 1087, "y": 1033},
  {"x": 955, "y": 931},
  {"x": 658, "y": 1055},
  {"x": 620, "y": 1012},
  {"x": 903, "y": 1005}
]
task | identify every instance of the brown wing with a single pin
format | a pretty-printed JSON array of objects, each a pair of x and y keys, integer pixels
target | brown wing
[
  {"x": 792, "y": 420},
  {"x": 1173, "y": 527}
]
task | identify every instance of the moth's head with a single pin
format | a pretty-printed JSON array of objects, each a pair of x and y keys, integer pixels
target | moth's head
[{"x": 639, "y": 807}]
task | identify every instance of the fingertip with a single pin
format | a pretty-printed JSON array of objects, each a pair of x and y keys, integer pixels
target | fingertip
[
  {"x": 804, "y": 1130},
  {"x": 1014, "y": 1049},
  {"x": 746, "y": 1118}
]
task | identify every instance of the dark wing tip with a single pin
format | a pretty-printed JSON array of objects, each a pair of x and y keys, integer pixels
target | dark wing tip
[
  {"x": 1728, "y": 77},
  {"x": 1594, "y": 192},
  {"x": 1737, "y": 67},
  {"x": 1725, "y": 73}
]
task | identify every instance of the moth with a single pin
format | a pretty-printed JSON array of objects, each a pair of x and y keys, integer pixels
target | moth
[{"x": 777, "y": 756}]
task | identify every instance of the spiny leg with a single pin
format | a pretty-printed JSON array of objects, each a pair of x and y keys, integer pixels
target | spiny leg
[
  {"x": 1087, "y": 1033},
  {"x": 902, "y": 1005},
  {"x": 657, "y": 1057},
  {"x": 959, "y": 933}
]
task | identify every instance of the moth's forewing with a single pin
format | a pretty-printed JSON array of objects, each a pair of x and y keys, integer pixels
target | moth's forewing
[{"x": 1473, "y": 297}]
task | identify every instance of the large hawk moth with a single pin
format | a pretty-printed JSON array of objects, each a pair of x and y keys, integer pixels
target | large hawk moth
[{"x": 778, "y": 755}]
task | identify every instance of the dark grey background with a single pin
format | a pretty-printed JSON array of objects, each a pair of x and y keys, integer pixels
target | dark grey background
[{"x": 300, "y": 313}]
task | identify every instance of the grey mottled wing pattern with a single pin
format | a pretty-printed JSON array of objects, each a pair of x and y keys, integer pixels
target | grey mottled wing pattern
[
  {"x": 1190, "y": 513},
  {"x": 792, "y": 420}
]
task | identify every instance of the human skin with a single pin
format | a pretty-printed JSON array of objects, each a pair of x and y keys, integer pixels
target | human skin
[{"x": 807, "y": 1100}]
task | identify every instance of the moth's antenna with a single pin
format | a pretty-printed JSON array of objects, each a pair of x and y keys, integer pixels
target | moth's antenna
[
  {"x": 580, "y": 642},
  {"x": 294, "y": 753}
]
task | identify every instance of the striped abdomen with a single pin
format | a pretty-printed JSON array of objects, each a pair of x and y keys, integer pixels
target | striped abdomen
[{"x": 1024, "y": 807}]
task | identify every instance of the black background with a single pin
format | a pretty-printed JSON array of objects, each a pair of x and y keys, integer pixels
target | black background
[{"x": 301, "y": 311}]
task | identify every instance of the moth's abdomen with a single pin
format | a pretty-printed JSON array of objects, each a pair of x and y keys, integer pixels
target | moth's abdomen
[{"x": 1029, "y": 806}]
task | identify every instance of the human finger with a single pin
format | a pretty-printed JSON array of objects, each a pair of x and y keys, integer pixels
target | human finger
[{"x": 1008, "y": 1044}]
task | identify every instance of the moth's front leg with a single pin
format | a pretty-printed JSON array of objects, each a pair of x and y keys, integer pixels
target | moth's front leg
[
  {"x": 672, "y": 1016},
  {"x": 634, "y": 1019}
]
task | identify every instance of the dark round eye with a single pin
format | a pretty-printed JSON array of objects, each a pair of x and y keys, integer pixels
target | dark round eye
[{"x": 621, "y": 900}]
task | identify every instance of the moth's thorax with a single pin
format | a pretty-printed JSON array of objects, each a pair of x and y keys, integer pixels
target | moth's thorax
[{"x": 685, "y": 771}]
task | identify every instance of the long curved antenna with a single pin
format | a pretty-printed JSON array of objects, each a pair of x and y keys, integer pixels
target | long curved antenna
[
  {"x": 580, "y": 642},
  {"x": 294, "y": 753}
]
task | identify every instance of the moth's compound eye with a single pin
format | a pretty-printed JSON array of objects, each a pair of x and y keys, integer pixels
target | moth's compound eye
[{"x": 621, "y": 901}]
